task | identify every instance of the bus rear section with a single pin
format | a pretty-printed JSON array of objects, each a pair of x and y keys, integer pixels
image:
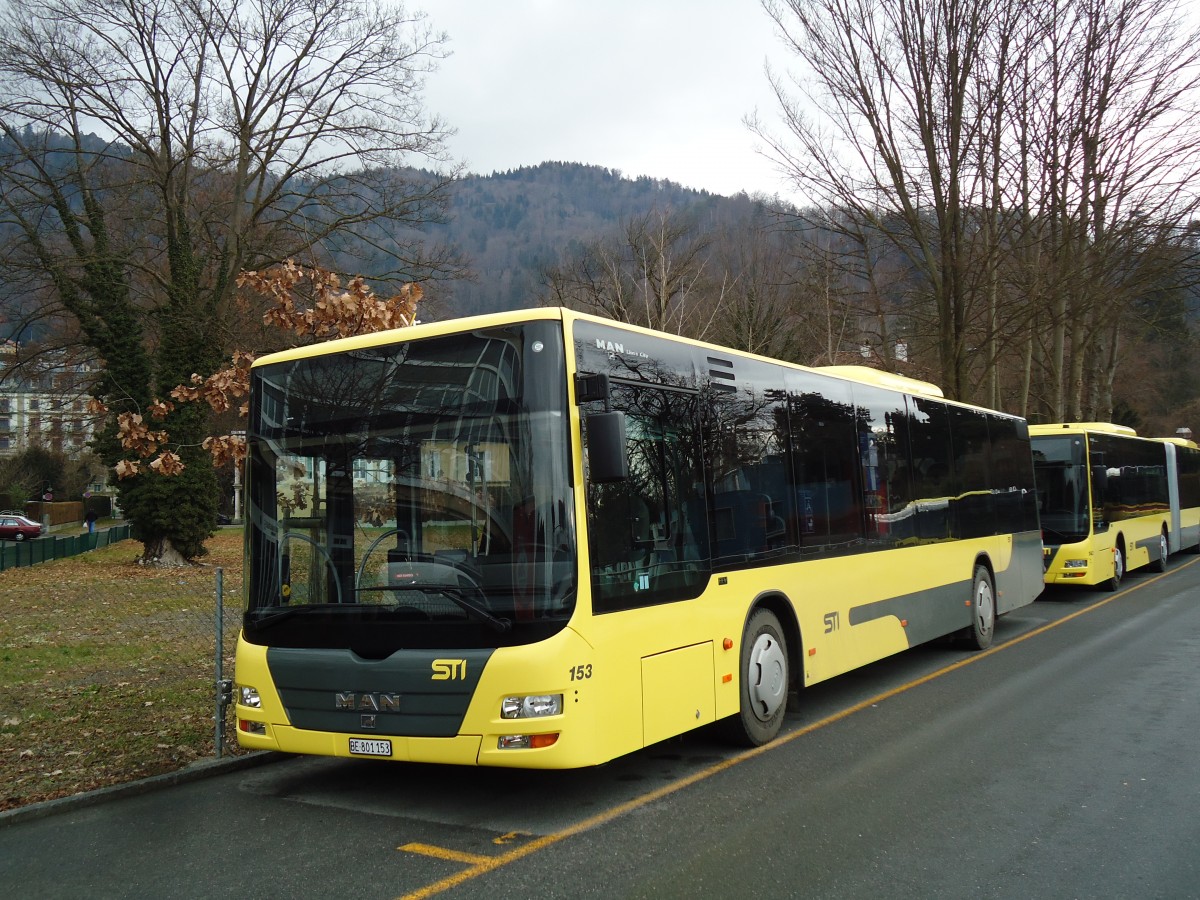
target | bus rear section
[
  {"x": 1183, "y": 486},
  {"x": 1104, "y": 502}
]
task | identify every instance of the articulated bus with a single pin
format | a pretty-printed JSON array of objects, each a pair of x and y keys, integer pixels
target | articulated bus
[
  {"x": 1111, "y": 501},
  {"x": 543, "y": 539}
]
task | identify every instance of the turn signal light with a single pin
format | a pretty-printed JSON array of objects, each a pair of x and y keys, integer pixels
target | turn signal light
[{"x": 526, "y": 741}]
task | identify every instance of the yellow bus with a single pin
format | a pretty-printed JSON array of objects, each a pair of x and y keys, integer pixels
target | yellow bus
[
  {"x": 543, "y": 539},
  {"x": 1105, "y": 501}
]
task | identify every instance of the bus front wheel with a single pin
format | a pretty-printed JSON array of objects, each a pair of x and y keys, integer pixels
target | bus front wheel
[
  {"x": 1118, "y": 568},
  {"x": 764, "y": 681},
  {"x": 1160, "y": 564},
  {"x": 983, "y": 610}
]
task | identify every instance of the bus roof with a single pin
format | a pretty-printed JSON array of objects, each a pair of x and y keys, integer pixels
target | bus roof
[
  {"x": 412, "y": 332},
  {"x": 852, "y": 373},
  {"x": 1106, "y": 427},
  {"x": 890, "y": 380}
]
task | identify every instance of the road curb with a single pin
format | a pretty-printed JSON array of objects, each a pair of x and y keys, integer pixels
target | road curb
[{"x": 195, "y": 772}]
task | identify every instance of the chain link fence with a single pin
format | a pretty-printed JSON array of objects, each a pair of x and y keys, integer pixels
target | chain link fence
[
  {"x": 225, "y": 632},
  {"x": 111, "y": 671}
]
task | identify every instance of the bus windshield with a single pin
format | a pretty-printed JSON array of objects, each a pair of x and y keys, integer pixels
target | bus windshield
[
  {"x": 412, "y": 494},
  {"x": 1061, "y": 472}
]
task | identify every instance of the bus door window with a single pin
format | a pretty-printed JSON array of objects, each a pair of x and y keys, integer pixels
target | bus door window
[
  {"x": 642, "y": 531},
  {"x": 306, "y": 569},
  {"x": 339, "y": 524}
]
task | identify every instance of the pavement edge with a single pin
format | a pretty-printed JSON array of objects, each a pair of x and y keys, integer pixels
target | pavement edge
[{"x": 204, "y": 769}]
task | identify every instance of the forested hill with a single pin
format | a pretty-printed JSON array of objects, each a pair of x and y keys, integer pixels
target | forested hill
[
  {"x": 507, "y": 227},
  {"x": 511, "y": 225}
]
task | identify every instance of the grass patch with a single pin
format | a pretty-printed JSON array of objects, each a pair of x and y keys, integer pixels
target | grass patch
[{"x": 106, "y": 668}]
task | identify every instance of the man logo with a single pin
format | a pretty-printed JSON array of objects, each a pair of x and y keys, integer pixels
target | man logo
[
  {"x": 366, "y": 702},
  {"x": 449, "y": 670}
]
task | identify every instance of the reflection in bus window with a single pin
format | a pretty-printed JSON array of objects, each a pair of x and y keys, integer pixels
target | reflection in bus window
[{"x": 648, "y": 533}]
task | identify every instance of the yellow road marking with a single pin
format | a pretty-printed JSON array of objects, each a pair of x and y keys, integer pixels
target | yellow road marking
[
  {"x": 510, "y": 837},
  {"x": 481, "y": 865},
  {"x": 471, "y": 859}
]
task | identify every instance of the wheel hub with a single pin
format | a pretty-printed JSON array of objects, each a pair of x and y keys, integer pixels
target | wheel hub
[
  {"x": 767, "y": 677},
  {"x": 984, "y": 608}
]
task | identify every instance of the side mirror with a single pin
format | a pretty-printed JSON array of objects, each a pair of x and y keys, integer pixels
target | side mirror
[{"x": 607, "y": 460}]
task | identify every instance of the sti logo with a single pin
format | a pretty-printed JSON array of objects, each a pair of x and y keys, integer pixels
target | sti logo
[{"x": 449, "y": 670}]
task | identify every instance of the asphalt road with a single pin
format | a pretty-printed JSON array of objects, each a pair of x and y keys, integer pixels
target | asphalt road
[{"x": 1062, "y": 763}]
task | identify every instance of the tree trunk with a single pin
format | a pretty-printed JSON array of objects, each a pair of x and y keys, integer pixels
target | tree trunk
[{"x": 161, "y": 553}]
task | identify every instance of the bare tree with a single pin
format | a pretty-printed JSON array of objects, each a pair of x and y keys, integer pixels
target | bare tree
[
  {"x": 1024, "y": 156},
  {"x": 1129, "y": 155},
  {"x": 903, "y": 96},
  {"x": 154, "y": 149},
  {"x": 763, "y": 307},
  {"x": 655, "y": 275}
]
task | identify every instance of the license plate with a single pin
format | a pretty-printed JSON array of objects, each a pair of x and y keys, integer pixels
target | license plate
[{"x": 364, "y": 747}]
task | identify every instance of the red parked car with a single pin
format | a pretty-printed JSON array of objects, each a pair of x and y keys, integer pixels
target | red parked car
[{"x": 18, "y": 528}]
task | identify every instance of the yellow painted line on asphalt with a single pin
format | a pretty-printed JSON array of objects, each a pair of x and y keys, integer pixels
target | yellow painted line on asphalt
[
  {"x": 471, "y": 859},
  {"x": 481, "y": 865}
]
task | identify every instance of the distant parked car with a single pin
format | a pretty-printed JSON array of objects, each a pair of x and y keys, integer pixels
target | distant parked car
[{"x": 17, "y": 528}]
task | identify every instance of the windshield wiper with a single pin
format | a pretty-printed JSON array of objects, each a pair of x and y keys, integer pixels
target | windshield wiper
[
  {"x": 270, "y": 615},
  {"x": 459, "y": 599},
  {"x": 1061, "y": 536}
]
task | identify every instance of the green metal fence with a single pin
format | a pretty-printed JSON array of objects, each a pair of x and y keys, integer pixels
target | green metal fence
[{"x": 58, "y": 546}]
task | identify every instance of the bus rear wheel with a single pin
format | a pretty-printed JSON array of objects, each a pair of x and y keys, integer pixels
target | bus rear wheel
[
  {"x": 983, "y": 610},
  {"x": 764, "y": 682}
]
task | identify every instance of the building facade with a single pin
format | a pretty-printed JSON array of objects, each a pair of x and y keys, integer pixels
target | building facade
[{"x": 44, "y": 403}]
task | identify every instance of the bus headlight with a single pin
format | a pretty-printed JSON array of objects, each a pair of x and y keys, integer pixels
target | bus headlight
[
  {"x": 534, "y": 706},
  {"x": 1075, "y": 564},
  {"x": 248, "y": 696}
]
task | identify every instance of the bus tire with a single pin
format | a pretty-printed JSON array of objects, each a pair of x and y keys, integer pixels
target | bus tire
[
  {"x": 1118, "y": 567},
  {"x": 983, "y": 609},
  {"x": 1160, "y": 564},
  {"x": 764, "y": 682}
]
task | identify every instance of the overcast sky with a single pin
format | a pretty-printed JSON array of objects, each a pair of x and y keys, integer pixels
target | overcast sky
[{"x": 649, "y": 87}]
